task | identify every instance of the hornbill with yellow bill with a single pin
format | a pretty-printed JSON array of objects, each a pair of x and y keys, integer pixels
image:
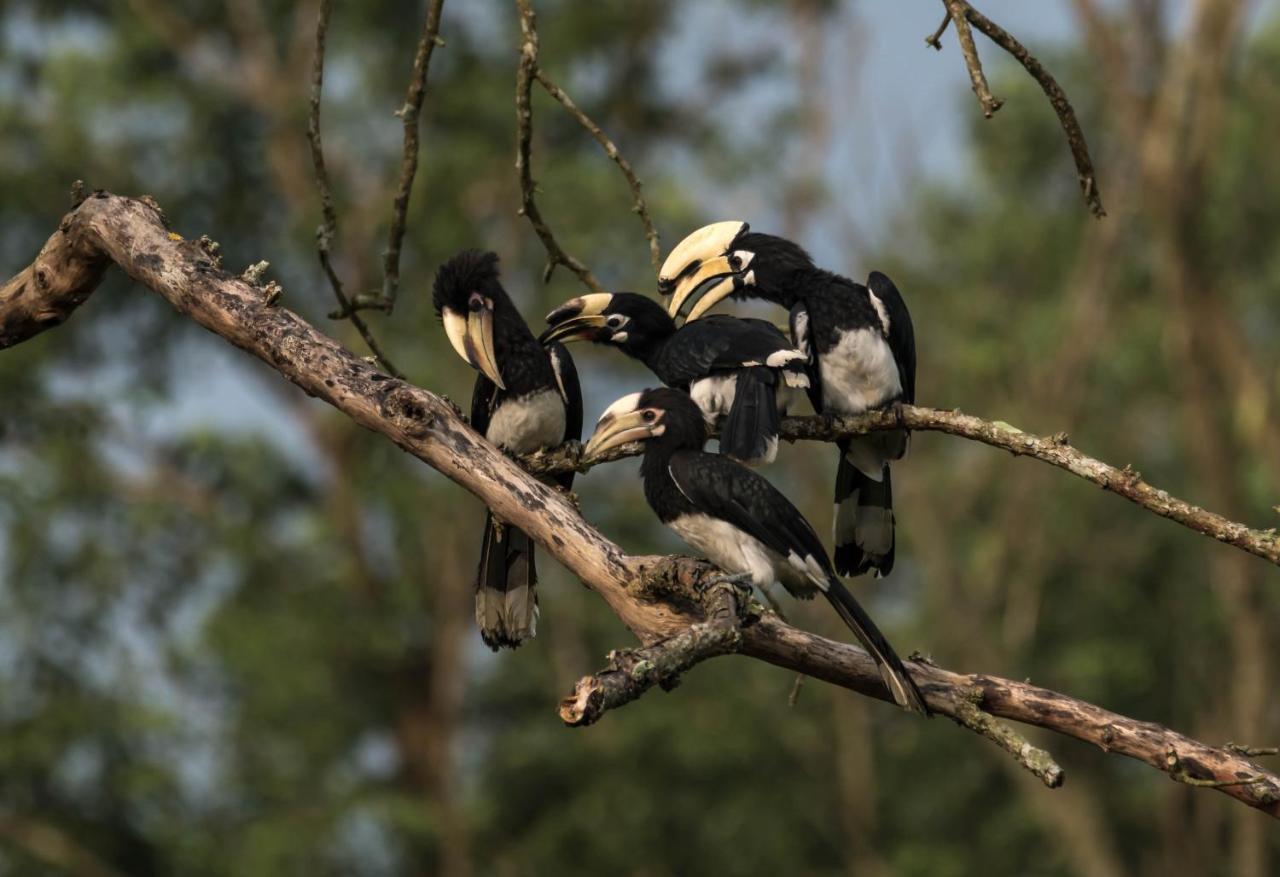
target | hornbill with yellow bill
[
  {"x": 861, "y": 351},
  {"x": 740, "y": 521},
  {"x": 526, "y": 397},
  {"x": 735, "y": 369}
]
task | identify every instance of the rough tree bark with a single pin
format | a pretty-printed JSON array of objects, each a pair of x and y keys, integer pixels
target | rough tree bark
[{"x": 658, "y": 598}]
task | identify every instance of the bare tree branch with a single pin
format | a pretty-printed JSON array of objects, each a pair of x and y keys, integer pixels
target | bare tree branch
[
  {"x": 963, "y": 13},
  {"x": 610, "y": 149},
  {"x": 1055, "y": 450},
  {"x": 934, "y": 39},
  {"x": 978, "y": 79},
  {"x": 656, "y": 597},
  {"x": 409, "y": 113},
  {"x": 328, "y": 229},
  {"x": 526, "y": 72},
  {"x": 632, "y": 672}
]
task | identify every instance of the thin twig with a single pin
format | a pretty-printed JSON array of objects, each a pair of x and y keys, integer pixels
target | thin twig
[
  {"x": 328, "y": 229},
  {"x": 409, "y": 114},
  {"x": 1057, "y": 99},
  {"x": 610, "y": 149},
  {"x": 935, "y": 39},
  {"x": 1055, "y": 450},
  {"x": 969, "y": 713},
  {"x": 525, "y": 74},
  {"x": 956, "y": 12}
]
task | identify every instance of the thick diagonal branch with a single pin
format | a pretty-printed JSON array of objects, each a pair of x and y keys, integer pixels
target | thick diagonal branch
[{"x": 655, "y": 597}]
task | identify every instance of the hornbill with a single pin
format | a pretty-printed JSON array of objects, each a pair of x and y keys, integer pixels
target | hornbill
[
  {"x": 740, "y": 521},
  {"x": 861, "y": 350},
  {"x": 526, "y": 397},
  {"x": 741, "y": 370}
]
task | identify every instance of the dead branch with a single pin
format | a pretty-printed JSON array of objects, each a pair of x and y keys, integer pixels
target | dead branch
[
  {"x": 1055, "y": 450},
  {"x": 978, "y": 79},
  {"x": 639, "y": 207},
  {"x": 656, "y": 597},
  {"x": 963, "y": 14},
  {"x": 526, "y": 72},
  {"x": 409, "y": 114},
  {"x": 328, "y": 229}
]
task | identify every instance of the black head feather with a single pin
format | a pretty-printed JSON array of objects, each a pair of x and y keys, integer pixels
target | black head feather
[{"x": 464, "y": 273}]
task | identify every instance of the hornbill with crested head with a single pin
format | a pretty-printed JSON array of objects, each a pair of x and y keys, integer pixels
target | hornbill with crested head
[
  {"x": 738, "y": 519},
  {"x": 735, "y": 369},
  {"x": 861, "y": 351},
  {"x": 526, "y": 397}
]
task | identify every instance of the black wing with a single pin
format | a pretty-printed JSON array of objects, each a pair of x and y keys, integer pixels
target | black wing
[
  {"x": 727, "y": 490},
  {"x": 802, "y": 339},
  {"x": 571, "y": 393},
  {"x": 483, "y": 395},
  {"x": 902, "y": 336},
  {"x": 719, "y": 342}
]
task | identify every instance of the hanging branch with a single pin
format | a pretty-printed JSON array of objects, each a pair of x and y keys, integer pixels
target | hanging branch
[
  {"x": 328, "y": 229},
  {"x": 963, "y": 14},
  {"x": 526, "y": 72},
  {"x": 658, "y": 598},
  {"x": 409, "y": 114},
  {"x": 978, "y": 79}
]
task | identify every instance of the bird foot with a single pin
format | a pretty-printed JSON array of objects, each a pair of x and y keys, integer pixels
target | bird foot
[
  {"x": 898, "y": 414},
  {"x": 739, "y": 588}
]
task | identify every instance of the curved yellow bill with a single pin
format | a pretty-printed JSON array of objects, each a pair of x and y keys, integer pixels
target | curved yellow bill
[
  {"x": 712, "y": 268},
  {"x": 718, "y": 293},
  {"x": 573, "y": 329},
  {"x": 700, "y": 246},
  {"x": 472, "y": 338},
  {"x": 615, "y": 430}
]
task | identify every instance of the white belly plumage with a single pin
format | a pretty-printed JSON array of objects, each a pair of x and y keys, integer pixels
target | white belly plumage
[
  {"x": 737, "y": 552},
  {"x": 525, "y": 424},
  {"x": 859, "y": 373}
]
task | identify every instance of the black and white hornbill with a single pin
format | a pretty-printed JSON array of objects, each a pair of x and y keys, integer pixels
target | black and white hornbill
[
  {"x": 861, "y": 351},
  {"x": 740, "y": 521},
  {"x": 741, "y": 371},
  {"x": 526, "y": 397}
]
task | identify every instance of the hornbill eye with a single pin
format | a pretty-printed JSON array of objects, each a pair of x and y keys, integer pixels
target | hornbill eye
[
  {"x": 476, "y": 302},
  {"x": 615, "y": 322},
  {"x": 649, "y": 415}
]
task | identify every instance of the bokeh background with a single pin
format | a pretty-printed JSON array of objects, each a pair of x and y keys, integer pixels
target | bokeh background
[{"x": 235, "y": 630}]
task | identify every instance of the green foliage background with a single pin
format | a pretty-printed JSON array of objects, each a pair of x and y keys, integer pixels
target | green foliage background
[{"x": 235, "y": 631}]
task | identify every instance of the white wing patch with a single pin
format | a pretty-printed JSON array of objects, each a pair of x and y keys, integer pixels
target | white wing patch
[
  {"x": 557, "y": 368},
  {"x": 880, "y": 312},
  {"x": 779, "y": 358},
  {"x": 800, "y": 333}
]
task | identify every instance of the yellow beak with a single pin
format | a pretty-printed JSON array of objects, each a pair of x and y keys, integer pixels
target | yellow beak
[
  {"x": 472, "y": 338},
  {"x": 718, "y": 293},
  {"x": 574, "y": 329},
  {"x": 687, "y": 286},
  {"x": 615, "y": 430}
]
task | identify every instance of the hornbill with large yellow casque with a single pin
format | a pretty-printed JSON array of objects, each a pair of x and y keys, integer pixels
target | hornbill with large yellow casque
[
  {"x": 861, "y": 351},
  {"x": 526, "y": 397},
  {"x": 740, "y": 521},
  {"x": 741, "y": 371}
]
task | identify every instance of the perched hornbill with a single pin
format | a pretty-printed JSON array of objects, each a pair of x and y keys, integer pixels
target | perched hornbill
[
  {"x": 861, "y": 350},
  {"x": 740, "y": 521},
  {"x": 526, "y": 397},
  {"x": 735, "y": 369}
]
